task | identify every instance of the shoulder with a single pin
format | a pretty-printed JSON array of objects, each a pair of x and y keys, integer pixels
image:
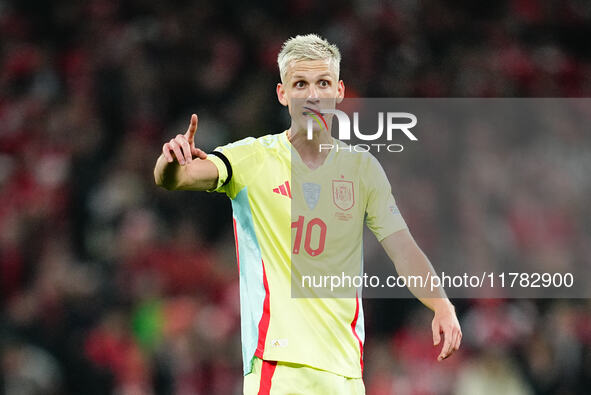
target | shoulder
[
  {"x": 270, "y": 140},
  {"x": 250, "y": 151},
  {"x": 266, "y": 141},
  {"x": 237, "y": 144},
  {"x": 249, "y": 145}
]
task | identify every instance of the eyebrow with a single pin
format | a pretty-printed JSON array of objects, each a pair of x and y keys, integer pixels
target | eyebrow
[{"x": 301, "y": 77}]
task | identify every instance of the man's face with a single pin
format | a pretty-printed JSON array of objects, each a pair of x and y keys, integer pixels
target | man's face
[{"x": 310, "y": 85}]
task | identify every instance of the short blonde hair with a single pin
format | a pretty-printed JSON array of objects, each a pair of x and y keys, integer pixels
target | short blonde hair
[{"x": 308, "y": 47}]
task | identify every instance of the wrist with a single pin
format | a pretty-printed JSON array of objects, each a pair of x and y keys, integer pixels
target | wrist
[{"x": 443, "y": 305}]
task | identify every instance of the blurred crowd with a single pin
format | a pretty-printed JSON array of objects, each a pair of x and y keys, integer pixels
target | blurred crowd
[{"x": 111, "y": 285}]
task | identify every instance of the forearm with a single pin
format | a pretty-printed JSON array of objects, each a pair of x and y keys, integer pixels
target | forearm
[
  {"x": 198, "y": 175},
  {"x": 412, "y": 263},
  {"x": 417, "y": 264},
  {"x": 167, "y": 175},
  {"x": 409, "y": 260}
]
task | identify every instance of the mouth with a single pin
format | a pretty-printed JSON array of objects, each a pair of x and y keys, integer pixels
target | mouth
[
  {"x": 312, "y": 111},
  {"x": 317, "y": 115}
]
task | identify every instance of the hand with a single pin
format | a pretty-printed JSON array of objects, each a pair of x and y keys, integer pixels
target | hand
[
  {"x": 446, "y": 322},
  {"x": 183, "y": 145}
]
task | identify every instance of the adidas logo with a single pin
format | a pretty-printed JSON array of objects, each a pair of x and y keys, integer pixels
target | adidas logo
[{"x": 283, "y": 189}]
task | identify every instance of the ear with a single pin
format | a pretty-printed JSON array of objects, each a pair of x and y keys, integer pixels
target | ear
[
  {"x": 340, "y": 91},
  {"x": 281, "y": 94}
]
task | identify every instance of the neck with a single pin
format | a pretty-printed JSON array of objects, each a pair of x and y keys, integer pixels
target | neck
[{"x": 309, "y": 150}]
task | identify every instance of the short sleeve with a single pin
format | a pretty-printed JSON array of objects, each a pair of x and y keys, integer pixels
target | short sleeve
[
  {"x": 382, "y": 214},
  {"x": 222, "y": 173},
  {"x": 235, "y": 162}
]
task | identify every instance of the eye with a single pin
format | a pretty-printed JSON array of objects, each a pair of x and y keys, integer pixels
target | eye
[
  {"x": 324, "y": 83},
  {"x": 300, "y": 84}
]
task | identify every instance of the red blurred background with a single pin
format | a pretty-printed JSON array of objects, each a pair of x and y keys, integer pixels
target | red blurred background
[{"x": 111, "y": 285}]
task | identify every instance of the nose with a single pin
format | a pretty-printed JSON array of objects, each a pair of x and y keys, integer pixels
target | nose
[{"x": 313, "y": 94}]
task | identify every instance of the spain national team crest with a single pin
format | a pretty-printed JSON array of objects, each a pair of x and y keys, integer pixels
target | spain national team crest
[
  {"x": 343, "y": 194},
  {"x": 311, "y": 194}
]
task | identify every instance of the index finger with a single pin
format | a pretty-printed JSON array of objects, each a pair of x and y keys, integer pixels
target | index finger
[{"x": 192, "y": 129}]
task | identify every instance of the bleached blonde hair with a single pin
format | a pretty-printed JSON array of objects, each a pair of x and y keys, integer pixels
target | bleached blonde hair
[{"x": 308, "y": 47}]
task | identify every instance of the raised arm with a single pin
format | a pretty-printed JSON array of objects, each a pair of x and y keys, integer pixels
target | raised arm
[
  {"x": 183, "y": 166},
  {"x": 409, "y": 260}
]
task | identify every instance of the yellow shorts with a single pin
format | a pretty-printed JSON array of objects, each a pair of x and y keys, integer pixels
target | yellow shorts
[{"x": 284, "y": 378}]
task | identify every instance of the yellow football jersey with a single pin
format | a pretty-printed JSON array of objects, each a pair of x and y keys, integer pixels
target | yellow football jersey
[{"x": 285, "y": 211}]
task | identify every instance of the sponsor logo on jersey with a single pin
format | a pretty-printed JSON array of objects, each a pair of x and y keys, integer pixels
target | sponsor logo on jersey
[{"x": 283, "y": 189}]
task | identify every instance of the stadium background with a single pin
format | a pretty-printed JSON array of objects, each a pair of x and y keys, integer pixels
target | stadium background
[{"x": 111, "y": 285}]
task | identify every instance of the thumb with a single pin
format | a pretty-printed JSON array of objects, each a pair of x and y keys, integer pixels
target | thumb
[
  {"x": 198, "y": 153},
  {"x": 192, "y": 129}
]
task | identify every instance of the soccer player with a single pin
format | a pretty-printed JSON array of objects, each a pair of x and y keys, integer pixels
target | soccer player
[{"x": 303, "y": 345}]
